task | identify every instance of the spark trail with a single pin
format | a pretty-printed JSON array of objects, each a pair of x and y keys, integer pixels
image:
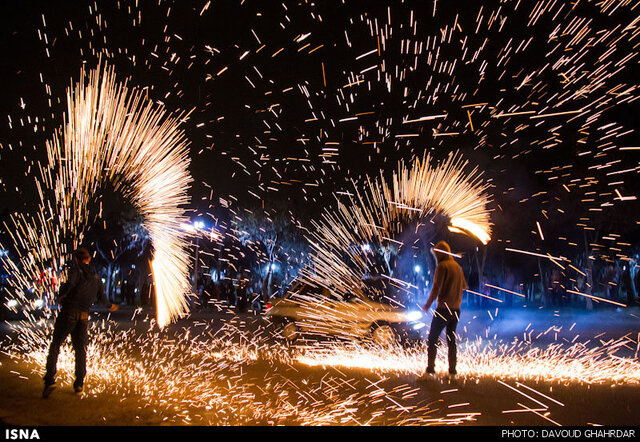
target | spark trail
[
  {"x": 380, "y": 212},
  {"x": 112, "y": 134}
]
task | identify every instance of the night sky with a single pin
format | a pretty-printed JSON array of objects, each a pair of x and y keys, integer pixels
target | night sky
[{"x": 290, "y": 101}]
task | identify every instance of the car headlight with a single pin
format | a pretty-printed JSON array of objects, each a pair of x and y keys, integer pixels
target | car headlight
[{"x": 413, "y": 315}]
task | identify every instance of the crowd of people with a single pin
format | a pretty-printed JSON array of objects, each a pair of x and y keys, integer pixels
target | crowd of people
[
  {"x": 552, "y": 287},
  {"x": 240, "y": 293}
]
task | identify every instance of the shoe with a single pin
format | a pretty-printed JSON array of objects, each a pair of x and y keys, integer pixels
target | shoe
[
  {"x": 48, "y": 389},
  {"x": 78, "y": 389},
  {"x": 427, "y": 376}
]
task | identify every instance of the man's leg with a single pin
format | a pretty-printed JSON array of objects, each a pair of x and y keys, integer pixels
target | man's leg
[
  {"x": 452, "y": 323},
  {"x": 80, "y": 339},
  {"x": 437, "y": 325},
  {"x": 60, "y": 333}
]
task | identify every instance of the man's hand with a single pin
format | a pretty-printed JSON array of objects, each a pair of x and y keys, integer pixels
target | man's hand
[{"x": 113, "y": 307}]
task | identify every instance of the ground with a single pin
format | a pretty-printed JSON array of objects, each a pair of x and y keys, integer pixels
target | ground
[{"x": 261, "y": 389}]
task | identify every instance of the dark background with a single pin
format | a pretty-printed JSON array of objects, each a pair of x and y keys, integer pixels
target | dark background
[{"x": 248, "y": 122}]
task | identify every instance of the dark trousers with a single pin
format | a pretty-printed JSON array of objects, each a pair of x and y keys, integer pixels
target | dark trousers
[
  {"x": 443, "y": 318},
  {"x": 72, "y": 323}
]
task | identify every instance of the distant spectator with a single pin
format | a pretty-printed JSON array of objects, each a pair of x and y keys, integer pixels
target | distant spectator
[
  {"x": 556, "y": 288},
  {"x": 509, "y": 284}
]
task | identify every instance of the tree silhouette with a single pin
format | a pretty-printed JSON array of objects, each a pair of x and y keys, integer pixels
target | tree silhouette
[
  {"x": 274, "y": 236},
  {"x": 116, "y": 235}
]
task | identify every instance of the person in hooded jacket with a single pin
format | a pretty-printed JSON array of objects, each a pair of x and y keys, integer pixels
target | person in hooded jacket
[
  {"x": 76, "y": 296},
  {"x": 447, "y": 288}
]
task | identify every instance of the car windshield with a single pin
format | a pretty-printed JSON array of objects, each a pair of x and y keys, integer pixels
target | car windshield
[
  {"x": 380, "y": 290},
  {"x": 306, "y": 291}
]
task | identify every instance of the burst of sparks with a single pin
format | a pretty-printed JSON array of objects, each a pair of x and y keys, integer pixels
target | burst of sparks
[
  {"x": 112, "y": 134},
  {"x": 559, "y": 72},
  {"x": 380, "y": 212}
]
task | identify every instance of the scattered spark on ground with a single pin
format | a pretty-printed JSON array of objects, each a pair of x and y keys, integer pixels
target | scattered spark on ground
[{"x": 231, "y": 375}]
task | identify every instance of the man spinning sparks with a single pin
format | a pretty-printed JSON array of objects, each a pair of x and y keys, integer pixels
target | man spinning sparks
[
  {"x": 448, "y": 284},
  {"x": 76, "y": 297}
]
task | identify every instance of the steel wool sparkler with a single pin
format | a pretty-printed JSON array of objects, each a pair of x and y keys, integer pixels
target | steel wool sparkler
[
  {"x": 112, "y": 134},
  {"x": 380, "y": 212}
]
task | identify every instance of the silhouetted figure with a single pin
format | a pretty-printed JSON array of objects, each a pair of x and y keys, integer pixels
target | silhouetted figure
[
  {"x": 556, "y": 288},
  {"x": 448, "y": 285},
  {"x": 628, "y": 282},
  {"x": 242, "y": 295},
  {"x": 231, "y": 295},
  {"x": 474, "y": 284},
  {"x": 509, "y": 284},
  {"x": 205, "y": 295},
  {"x": 129, "y": 292},
  {"x": 81, "y": 290}
]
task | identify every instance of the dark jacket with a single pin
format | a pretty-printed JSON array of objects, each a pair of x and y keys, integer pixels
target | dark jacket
[
  {"x": 81, "y": 290},
  {"x": 448, "y": 281}
]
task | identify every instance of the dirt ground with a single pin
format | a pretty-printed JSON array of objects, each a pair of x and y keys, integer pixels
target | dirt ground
[{"x": 21, "y": 386}]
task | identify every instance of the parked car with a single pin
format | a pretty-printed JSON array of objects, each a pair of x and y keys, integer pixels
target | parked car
[
  {"x": 31, "y": 306},
  {"x": 308, "y": 310}
]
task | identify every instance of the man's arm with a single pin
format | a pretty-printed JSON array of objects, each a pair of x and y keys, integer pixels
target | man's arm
[{"x": 435, "y": 290}]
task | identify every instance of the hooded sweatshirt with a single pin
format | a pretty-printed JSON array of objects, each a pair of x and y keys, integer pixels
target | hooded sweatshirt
[
  {"x": 448, "y": 281},
  {"x": 82, "y": 288}
]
